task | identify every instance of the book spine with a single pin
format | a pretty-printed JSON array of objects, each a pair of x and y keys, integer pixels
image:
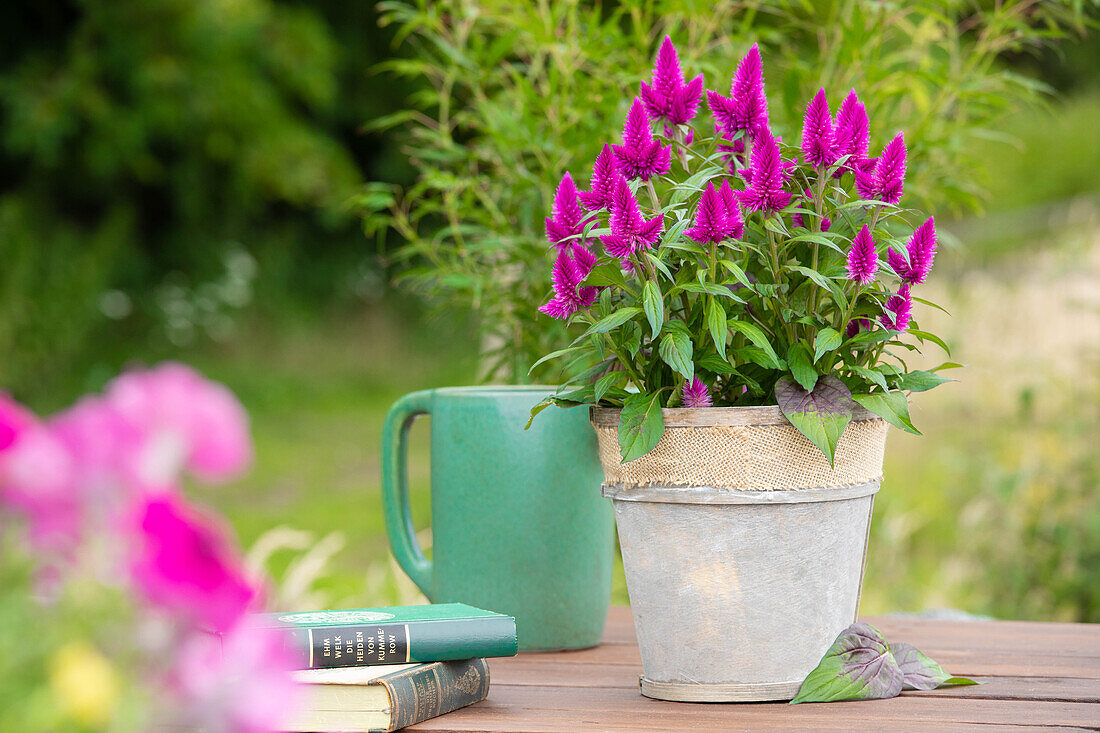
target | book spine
[
  {"x": 317, "y": 647},
  {"x": 426, "y": 692}
]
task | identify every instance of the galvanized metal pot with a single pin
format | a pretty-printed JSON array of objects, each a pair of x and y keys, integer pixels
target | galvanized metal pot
[{"x": 744, "y": 550}]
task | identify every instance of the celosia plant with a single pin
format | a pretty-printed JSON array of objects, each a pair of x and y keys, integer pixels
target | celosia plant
[
  {"x": 712, "y": 263},
  {"x": 95, "y": 489}
]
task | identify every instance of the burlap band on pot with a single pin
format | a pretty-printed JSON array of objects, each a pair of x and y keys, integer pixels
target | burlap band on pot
[{"x": 745, "y": 448}]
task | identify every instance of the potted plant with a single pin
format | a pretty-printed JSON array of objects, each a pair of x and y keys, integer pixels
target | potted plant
[{"x": 745, "y": 308}]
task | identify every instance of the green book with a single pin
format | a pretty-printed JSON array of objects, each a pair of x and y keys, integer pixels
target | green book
[
  {"x": 358, "y": 699},
  {"x": 397, "y": 635}
]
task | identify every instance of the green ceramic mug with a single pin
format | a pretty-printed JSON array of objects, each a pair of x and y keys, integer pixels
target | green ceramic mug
[{"x": 518, "y": 523}]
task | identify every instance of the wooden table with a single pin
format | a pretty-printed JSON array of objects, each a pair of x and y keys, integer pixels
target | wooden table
[{"x": 1035, "y": 675}]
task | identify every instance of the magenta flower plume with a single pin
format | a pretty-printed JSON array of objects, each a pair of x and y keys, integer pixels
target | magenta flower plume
[
  {"x": 695, "y": 394},
  {"x": 899, "y": 310},
  {"x": 710, "y": 218},
  {"x": 818, "y": 143},
  {"x": 898, "y": 263},
  {"x": 669, "y": 98},
  {"x": 765, "y": 177},
  {"x": 746, "y": 108},
  {"x": 602, "y": 184},
  {"x": 922, "y": 251},
  {"x": 569, "y": 272},
  {"x": 735, "y": 224},
  {"x": 630, "y": 232},
  {"x": 568, "y": 219},
  {"x": 856, "y": 325},
  {"x": 885, "y": 180},
  {"x": 852, "y": 131},
  {"x": 862, "y": 257},
  {"x": 641, "y": 155}
]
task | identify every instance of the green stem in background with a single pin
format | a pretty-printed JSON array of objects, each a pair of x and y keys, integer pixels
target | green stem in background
[
  {"x": 774, "y": 301},
  {"x": 628, "y": 365},
  {"x": 653, "y": 195}
]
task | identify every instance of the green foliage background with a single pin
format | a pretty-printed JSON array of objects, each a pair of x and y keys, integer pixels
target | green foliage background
[{"x": 511, "y": 96}]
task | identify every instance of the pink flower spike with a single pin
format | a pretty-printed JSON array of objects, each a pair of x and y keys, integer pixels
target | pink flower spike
[
  {"x": 887, "y": 180},
  {"x": 641, "y": 155},
  {"x": 184, "y": 563},
  {"x": 766, "y": 177},
  {"x": 630, "y": 232},
  {"x": 695, "y": 394},
  {"x": 922, "y": 251},
  {"x": 898, "y": 263},
  {"x": 852, "y": 131},
  {"x": 898, "y": 311},
  {"x": 735, "y": 224},
  {"x": 710, "y": 218},
  {"x": 747, "y": 107},
  {"x": 862, "y": 257},
  {"x": 568, "y": 219},
  {"x": 570, "y": 270},
  {"x": 818, "y": 144},
  {"x": 669, "y": 99},
  {"x": 602, "y": 184}
]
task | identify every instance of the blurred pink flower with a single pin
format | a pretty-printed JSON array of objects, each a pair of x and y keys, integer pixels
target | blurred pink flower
[
  {"x": 187, "y": 422},
  {"x": 238, "y": 682},
  {"x": 184, "y": 563},
  {"x": 37, "y": 478}
]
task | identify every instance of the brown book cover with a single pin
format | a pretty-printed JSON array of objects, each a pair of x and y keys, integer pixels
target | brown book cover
[{"x": 387, "y": 698}]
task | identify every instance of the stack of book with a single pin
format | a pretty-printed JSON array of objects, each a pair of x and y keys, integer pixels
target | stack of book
[{"x": 381, "y": 669}]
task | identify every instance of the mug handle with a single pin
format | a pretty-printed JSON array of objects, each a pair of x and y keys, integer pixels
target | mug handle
[{"x": 395, "y": 487}]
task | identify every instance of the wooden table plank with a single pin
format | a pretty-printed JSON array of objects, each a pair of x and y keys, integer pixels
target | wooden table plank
[{"x": 1036, "y": 675}]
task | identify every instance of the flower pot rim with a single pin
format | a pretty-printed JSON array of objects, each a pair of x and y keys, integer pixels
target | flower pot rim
[{"x": 706, "y": 417}]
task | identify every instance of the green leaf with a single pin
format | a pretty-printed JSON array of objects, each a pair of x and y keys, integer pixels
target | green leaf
[
  {"x": 921, "y": 671},
  {"x": 676, "y": 351},
  {"x": 613, "y": 321},
  {"x": 828, "y": 339},
  {"x": 820, "y": 415},
  {"x": 640, "y": 425},
  {"x": 921, "y": 381},
  {"x": 873, "y": 375},
  {"x": 606, "y": 382},
  {"x": 716, "y": 322},
  {"x": 556, "y": 354},
  {"x": 754, "y": 334},
  {"x": 716, "y": 364},
  {"x": 802, "y": 368},
  {"x": 654, "y": 306},
  {"x": 858, "y": 666},
  {"x": 891, "y": 407},
  {"x": 947, "y": 365},
  {"x": 925, "y": 336},
  {"x": 539, "y": 407}
]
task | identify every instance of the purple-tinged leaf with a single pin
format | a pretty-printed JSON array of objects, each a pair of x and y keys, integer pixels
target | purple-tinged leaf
[
  {"x": 858, "y": 666},
  {"x": 820, "y": 415},
  {"x": 920, "y": 671}
]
